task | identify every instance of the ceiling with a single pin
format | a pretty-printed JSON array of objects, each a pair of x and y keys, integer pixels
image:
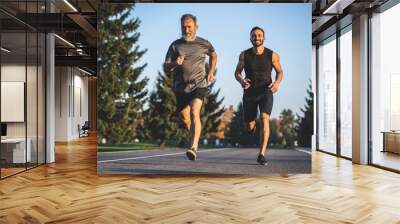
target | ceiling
[{"x": 75, "y": 21}]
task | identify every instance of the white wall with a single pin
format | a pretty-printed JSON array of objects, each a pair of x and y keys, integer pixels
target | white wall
[
  {"x": 13, "y": 72},
  {"x": 62, "y": 81},
  {"x": 33, "y": 127},
  {"x": 9, "y": 73},
  {"x": 71, "y": 94},
  {"x": 80, "y": 111},
  {"x": 16, "y": 73}
]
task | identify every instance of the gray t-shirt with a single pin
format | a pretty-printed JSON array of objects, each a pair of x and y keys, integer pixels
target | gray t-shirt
[{"x": 191, "y": 74}]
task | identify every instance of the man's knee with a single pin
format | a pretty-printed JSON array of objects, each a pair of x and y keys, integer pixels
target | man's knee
[
  {"x": 264, "y": 117},
  {"x": 251, "y": 125},
  {"x": 265, "y": 121},
  {"x": 195, "y": 109},
  {"x": 195, "y": 114}
]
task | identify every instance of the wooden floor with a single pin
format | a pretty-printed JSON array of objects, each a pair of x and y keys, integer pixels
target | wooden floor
[
  {"x": 70, "y": 191},
  {"x": 5, "y": 172}
]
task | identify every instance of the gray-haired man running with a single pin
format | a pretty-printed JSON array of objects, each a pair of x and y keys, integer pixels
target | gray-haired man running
[{"x": 186, "y": 59}]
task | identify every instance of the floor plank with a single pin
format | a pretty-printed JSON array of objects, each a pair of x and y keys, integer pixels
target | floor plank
[{"x": 70, "y": 191}]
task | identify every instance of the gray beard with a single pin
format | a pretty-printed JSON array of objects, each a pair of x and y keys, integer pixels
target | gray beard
[{"x": 186, "y": 38}]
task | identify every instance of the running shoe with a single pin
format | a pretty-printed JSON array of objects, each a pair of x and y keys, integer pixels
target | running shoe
[
  {"x": 261, "y": 160},
  {"x": 191, "y": 154}
]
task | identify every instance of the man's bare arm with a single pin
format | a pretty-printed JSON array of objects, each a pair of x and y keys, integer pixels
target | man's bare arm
[
  {"x": 212, "y": 62},
  {"x": 279, "y": 73},
  {"x": 239, "y": 68},
  {"x": 238, "y": 73},
  {"x": 278, "y": 67}
]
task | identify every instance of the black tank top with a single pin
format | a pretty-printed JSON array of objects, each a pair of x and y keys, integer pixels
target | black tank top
[{"x": 258, "y": 69}]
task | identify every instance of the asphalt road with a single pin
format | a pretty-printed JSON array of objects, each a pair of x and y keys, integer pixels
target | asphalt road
[{"x": 225, "y": 161}]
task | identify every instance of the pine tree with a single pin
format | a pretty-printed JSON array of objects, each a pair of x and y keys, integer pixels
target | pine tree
[
  {"x": 236, "y": 132},
  {"x": 275, "y": 137},
  {"x": 212, "y": 110},
  {"x": 121, "y": 93},
  {"x": 162, "y": 124},
  {"x": 304, "y": 126},
  {"x": 287, "y": 123}
]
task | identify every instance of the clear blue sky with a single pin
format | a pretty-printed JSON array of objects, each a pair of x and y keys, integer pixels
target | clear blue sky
[{"x": 226, "y": 25}]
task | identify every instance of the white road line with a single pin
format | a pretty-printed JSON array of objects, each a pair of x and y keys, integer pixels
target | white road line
[
  {"x": 145, "y": 157},
  {"x": 301, "y": 150}
]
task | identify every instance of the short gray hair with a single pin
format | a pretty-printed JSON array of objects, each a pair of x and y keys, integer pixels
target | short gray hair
[{"x": 189, "y": 16}]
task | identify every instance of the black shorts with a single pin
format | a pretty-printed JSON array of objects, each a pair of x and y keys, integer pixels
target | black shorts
[
  {"x": 184, "y": 99},
  {"x": 263, "y": 100}
]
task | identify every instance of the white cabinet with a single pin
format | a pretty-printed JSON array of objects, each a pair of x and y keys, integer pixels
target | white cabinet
[{"x": 17, "y": 146}]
